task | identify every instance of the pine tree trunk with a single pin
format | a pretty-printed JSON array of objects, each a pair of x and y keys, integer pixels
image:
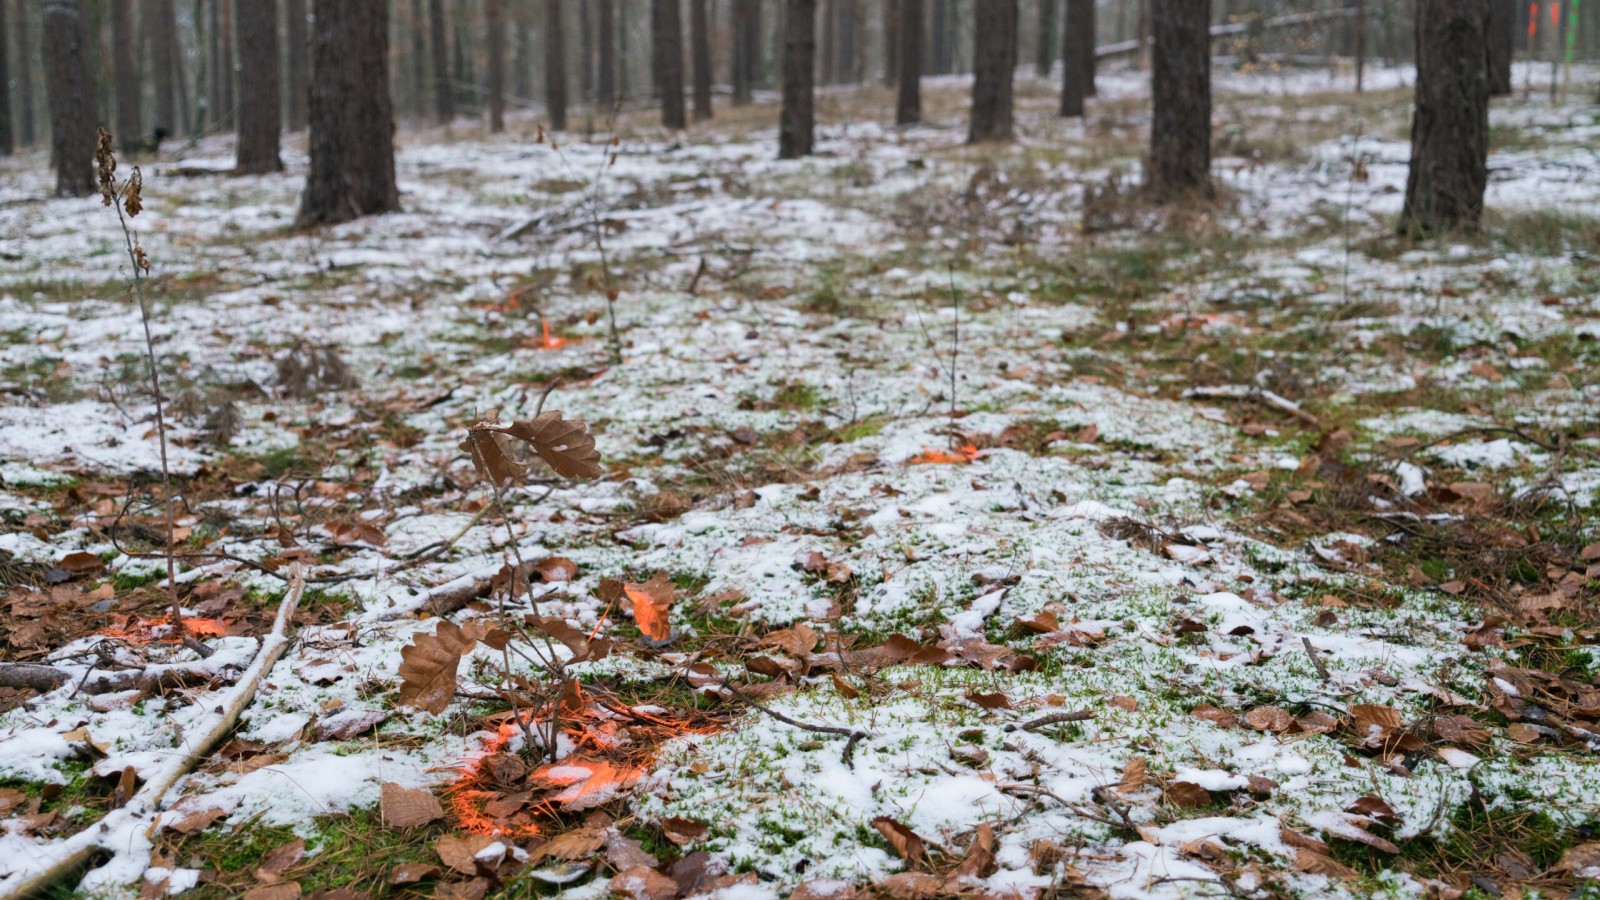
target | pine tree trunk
[
  {"x": 494, "y": 15},
  {"x": 260, "y": 100},
  {"x": 27, "y": 130},
  {"x": 586, "y": 58},
  {"x": 1046, "y": 57},
  {"x": 622, "y": 49},
  {"x": 417, "y": 61},
  {"x": 1450, "y": 126},
  {"x": 908, "y": 107},
  {"x": 352, "y": 120},
  {"x": 1361, "y": 44},
  {"x": 700, "y": 40},
  {"x": 745, "y": 43},
  {"x": 606, "y": 76},
  {"x": 939, "y": 39},
  {"x": 666, "y": 38},
  {"x": 1077, "y": 38},
  {"x": 213, "y": 64},
  {"x": 1502, "y": 35},
  {"x": 444, "y": 98},
  {"x": 994, "y": 61},
  {"x": 1180, "y": 132},
  {"x": 130, "y": 118},
  {"x": 163, "y": 29},
  {"x": 297, "y": 63},
  {"x": 830, "y": 47},
  {"x": 848, "y": 54},
  {"x": 230, "y": 99},
  {"x": 522, "y": 58},
  {"x": 1088, "y": 36},
  {"x": 7, "y": 139},
  {"x": 555, "y": 67},
  {"x": 71, "y": 95},
  {"x": 1145, "y": 31},
  {"x": 797, "y": 121},
  {"x": 891, "y": 42}
]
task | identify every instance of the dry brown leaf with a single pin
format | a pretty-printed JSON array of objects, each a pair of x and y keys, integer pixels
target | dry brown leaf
[
  {"x": 1581, "y": 860},
  {"x": 413, "y": 872},
  {"x": 980, "y": 856},
  {"x": 995, "y": 700},
  {"x": 1314, "y": 863},
  {"x": 795, "y": 641},
  {"x": 1269, "y": 718},
  {"x": 288, "y": 890},
  {"x": 583, "y": 649},
  {"x": 196, "y": 822},
  {"x": 555, "y": 568},
  {"x": 1219, "y": 717},
  {"x": 1375, "y": 807},
  {"x": 682, "y": 831},
  {"x": 624, "y": 853},
  {"x": 845, "y": 689},
  {"x": 345, "y": 725},
  {"x": 1188, "y": 794},
  {"x": 911, "y": 886},
  {"x": 564, "y": 444},
  {"x": 652, "y": 601},
  {"x": 1133, "y": 776},
  {"x": 1305, "y": 842},
  {"x": 403, "y": 807},
  {"x": 579, "y": 843},
  {"x": 428, "y": 669},
  {"x": 460, "y": 852},
  {"x": 643, "y": 883},
  {"x": 905, "y": 842},
  {"x": 1043, "y": 622},
  {"x": 279, "y": 860},
  {"x": 824, "y": 889}
]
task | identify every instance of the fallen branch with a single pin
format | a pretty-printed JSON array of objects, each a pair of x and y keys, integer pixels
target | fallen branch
[
  {"x": 1077, "y": 715},
  {"x": 33, "y": 677},
  {"x": 1322, "y": 668},
  {"x": 126, "y": 833},
  {"x": 1258, "y": 394}
]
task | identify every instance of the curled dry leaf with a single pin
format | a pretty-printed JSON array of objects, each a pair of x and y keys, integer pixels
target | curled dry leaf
[
  {"x": 682, "y": 831},
  {"x": 565, "y": 445},
  {"x": 1269, "y": 718},
  {"x": 1133, "y": 776},
  {"x": 980, "y": 856},
  {"x": 1188, "y": 794},
  {"x": 461, "y": 853},
  {"x": 795, "y": 641},
  {"x": 280, "y": 860},
  {"x": 579, "y": 843},
  {"x": 991, "y": 701},
  {"x": 1217, "y": 716},
  {"x": 403, "y": 807},
  {"x": 583, "y": 649},
  {"x": 651, "y": 603},
  {"x": 906, "y": 843},
  {"x": 429, "y": 663},
  {"x": 555, "y": 568}
]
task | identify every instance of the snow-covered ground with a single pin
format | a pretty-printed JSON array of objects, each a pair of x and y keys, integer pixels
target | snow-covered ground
[{"x": 790, "y": 335}]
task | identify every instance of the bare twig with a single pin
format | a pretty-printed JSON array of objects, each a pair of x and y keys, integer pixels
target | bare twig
[
  {"x": 854, "y": 734},
  {"x": 1077, "y": 715},
  {"x": 1259, "y": 395},
  {"x": 1322, "y": 668}
]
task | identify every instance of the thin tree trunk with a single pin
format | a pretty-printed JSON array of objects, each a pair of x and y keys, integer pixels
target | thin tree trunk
[
  {"x": 1046, "y": 51},
  {"x": 622, "y": 49},
  {"x": 298, "y": 64},
  {"x": 260, "y": 100},
  {"x": 848, "y": 53},
  {"x": 908, "y": 107},
  {"x": 230, "y": 99},
  {"x": 891, "y": 42},
  {"x": 1361, "y": 45},
  {"x": 797, "y": 120},
  {"x": 1450, "y": 125},
  {"x": 606, "y": 76},
  {"x": 1077, "y": 39},
  {"x": 7, "y": 139},
  {"x": 1086, "y": 58},
  {"x": 352, "y": 119},
  {"x": 522, "y": 58},
  {"x": 994, "y": 62},
  {"x": 162, "y": 46},
  {"x": 555, "y": 67},
  {"x": 418, "y": 59},
  {"x": 939, "y": 39},
  {"x": 213, "y": 63},
  {"x": 444, "y": 99},
  {"x": 27, "y": 131},
  {"x": 586, "y": 40},
  {"x": 1502, "y": 36},
  {"x": 746, "y": 41},
  {"x": 461, "y": 60},
  {"x": 700, "y": 40},
  {"x": 1144, "y": 33},
  {"x": 666, "y": 38},
  {"x": 830, "y": 46},
  {"x": 494, "y": 14},
  {"x": 1180, "y": 132},
  {"x": 71, "y": 95},
  {"x": 130, "y": 118}
]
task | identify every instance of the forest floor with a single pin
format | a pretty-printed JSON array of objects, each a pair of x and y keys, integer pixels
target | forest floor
[{"x": 929, "y": 442}]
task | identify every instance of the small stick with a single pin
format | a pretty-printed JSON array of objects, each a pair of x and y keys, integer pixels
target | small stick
[
  {"x": 1077, "y": 715},
  {"x": 855, "y": 735},
  {"x": 1322, "y": 668}
]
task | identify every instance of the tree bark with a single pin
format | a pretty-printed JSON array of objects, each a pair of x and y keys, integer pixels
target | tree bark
[
  {"x": 297, "y": 64},
  {"x": 830, "y": 35},
  {"x": 891, "y": 42},
  {"x": 7, "y": 139},
  {"x": 417, "y": 58},
  {"x": 444, "y": 99},
  {"x": 71, "y": 96},
  {"x": 494, "y": 15},
  {"x": 1361, "y": 45},
  {"x": 1077, "y": 39},
  {"x": 27, "y": 130},
  {"x": 1180, "y": 133},
  {"x": 260, "y": 98},
  {"x": 1145, "y": 32},
  {"x": 994, "y": 62},
  {"x": 746, "y": 48},
  {"x": 666, "y": 39},
  {"x": 162, "y": 29},
  {"x": 700, "y": 40},
  {"x": 555, "y": 67},
  {"x": 1086, "y": 58},
  {"x": 908, "y": 107},
  {"x": 848, "y": 53},
  {"x": 230, "y": 99},
  {"x": 352, "y": 120},
  {"x": 1502, "y": 36},
  {"x": 606, "y": 76},
  {"x": 586, "y": 58},
  {"x": 797, "y": 120},
  {"x": 124, "y": 71},
  {"x": 1450, "y": 126},
  {"x": 1046, "y": 51},
  {"x": 213, "y": 63},
  {"x": 522, "y": 58}
]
